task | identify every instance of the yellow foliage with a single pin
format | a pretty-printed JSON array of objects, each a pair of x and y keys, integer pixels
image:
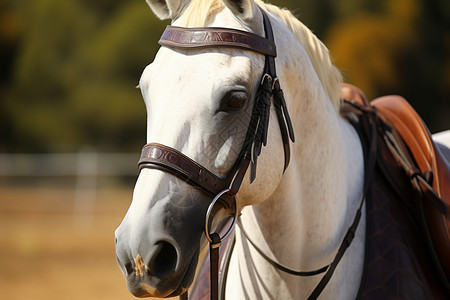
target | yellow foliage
[
  {"x": 10, "y": 26},
  {"x": 365, "y": 46},
  {"x": 405, "y": 10}
]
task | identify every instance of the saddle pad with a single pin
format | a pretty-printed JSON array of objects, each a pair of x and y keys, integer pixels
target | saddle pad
[
  {"x": 397, "y": 265},
  {"x": 426, "y": 158}
]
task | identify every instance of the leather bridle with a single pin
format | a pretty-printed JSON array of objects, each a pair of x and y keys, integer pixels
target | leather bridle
[
  {"x": 167, "y": 159},
  {"x": 157, "y": 156}
]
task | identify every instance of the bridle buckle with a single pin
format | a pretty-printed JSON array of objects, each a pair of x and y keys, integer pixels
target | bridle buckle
[{"x": 216, "y": 244}]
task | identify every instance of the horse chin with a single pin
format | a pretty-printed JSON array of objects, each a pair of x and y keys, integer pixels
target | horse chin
[{"x": 175, "y": 285}]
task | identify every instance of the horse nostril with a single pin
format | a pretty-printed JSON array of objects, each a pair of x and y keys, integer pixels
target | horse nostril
[
  {"x": 164, "y": 261},
  {"x": 129, "y": 268}
]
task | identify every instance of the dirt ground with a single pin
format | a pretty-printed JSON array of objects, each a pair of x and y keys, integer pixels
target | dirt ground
[{"x": 53, "y": 248}]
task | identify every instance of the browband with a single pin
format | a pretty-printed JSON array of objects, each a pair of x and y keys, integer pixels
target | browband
[{"x": 200, "y": 37}]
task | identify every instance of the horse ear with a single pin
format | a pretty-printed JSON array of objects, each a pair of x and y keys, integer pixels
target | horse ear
[
  {"x": 243, "y": 9},
  {"x": 167, "y": 9}
]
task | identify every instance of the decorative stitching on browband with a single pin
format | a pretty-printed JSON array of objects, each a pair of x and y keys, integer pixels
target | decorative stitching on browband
[{"x": 200, "y": 37}]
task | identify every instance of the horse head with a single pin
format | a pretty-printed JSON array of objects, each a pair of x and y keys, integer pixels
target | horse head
[
  {"x": 199, "y": 102},
  {"x": 210, "y": 109}
]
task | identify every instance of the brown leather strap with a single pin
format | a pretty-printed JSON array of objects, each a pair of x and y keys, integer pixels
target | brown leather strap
[
  {"x": 270, "y": 88},
  {"x": 161, "y": 157},
  {"x": 370, "y": 158},
  {"x": 214, "y": 266},
  {"x": 200, "y": 37}
]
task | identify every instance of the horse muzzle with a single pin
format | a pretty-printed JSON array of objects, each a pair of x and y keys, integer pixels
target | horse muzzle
[
  {"x": 155, "y": 269},
  {"x": 156, "y": 252}
]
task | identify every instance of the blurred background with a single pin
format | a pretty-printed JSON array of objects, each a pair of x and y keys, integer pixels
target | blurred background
[{"x": 72, "y": 121}]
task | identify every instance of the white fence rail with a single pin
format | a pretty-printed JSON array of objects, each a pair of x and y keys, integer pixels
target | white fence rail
[
  {"x": 84, "y": 168},
  {"x": 68, "y": 164}
]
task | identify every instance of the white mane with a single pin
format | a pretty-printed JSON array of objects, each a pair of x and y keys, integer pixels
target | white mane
[{"x": 200, "y": 12}]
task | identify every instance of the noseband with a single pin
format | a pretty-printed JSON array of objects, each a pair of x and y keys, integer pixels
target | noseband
[{"x": 167, "y": 159}]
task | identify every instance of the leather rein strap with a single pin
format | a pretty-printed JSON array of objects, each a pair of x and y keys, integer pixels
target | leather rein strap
[
  {"x": 367, "y": 123},
  {"x": 164, "y": 158}
]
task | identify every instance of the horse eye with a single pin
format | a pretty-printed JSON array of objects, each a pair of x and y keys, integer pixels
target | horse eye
[{"x": 235, "y": 100}]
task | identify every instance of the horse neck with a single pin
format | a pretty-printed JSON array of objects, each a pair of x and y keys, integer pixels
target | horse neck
[{"x": 302, "y": 224}]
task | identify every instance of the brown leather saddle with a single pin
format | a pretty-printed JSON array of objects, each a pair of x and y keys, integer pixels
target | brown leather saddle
[{"x": 423, "y": 181}]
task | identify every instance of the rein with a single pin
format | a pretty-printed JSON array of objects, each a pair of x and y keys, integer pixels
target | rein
[
  {"x": 170, "y": 160},
  {"x": 368, "y": 124}
]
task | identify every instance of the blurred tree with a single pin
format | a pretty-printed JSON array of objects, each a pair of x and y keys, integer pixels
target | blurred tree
[
  {"x": 397, "y": 51},
  {"x": 318, "y": 15},
  {"x": 10, "y": 31},
  {"x": 68, "y": 69},
  {"x": 348, "y": 8},
  {"x": 11, "y": 28},
  {"x": 75, "y": 77},
  {"x": 42, "y": 78},
  {"x": 108, "y": 101}
]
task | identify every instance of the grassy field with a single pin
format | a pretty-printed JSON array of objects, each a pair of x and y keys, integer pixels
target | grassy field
[{"x": 50, "y": 248}]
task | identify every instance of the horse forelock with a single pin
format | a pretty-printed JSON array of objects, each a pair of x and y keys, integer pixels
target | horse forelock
[{"x": 201, "y": 12}]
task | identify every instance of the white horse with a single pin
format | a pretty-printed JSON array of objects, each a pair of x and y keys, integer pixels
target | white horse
[{"x": 199, "y": 101}]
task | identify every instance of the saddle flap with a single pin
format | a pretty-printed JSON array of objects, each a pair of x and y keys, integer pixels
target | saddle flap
[
  {"x": 410, "y": 132},
  {"x": 399, "y": 113}
]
